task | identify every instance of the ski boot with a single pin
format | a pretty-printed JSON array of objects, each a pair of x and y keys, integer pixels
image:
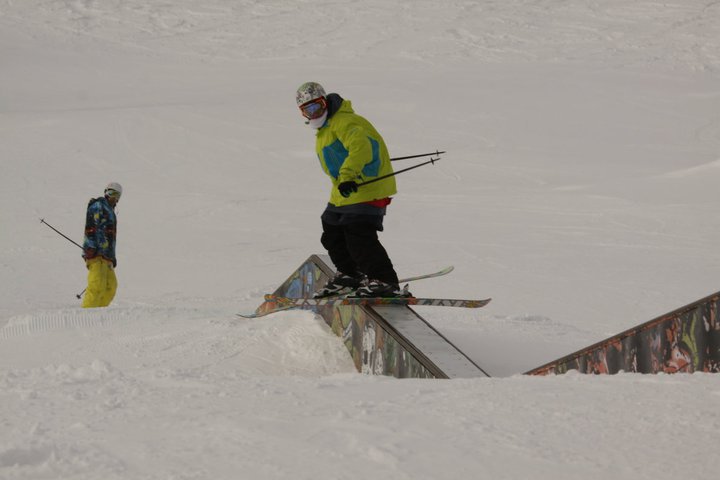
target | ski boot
[
  {"x": 380, "y": 289},
  {"x": 340, "y": 283}
]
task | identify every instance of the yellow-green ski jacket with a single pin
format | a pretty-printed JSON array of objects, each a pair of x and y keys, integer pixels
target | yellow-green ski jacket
[{"x": 349, "y": 148}]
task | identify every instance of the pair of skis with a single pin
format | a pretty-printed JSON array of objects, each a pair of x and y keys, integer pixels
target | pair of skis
[{"x": 281, "y": 303}]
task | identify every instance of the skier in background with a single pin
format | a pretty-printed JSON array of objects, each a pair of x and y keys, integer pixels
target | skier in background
[
  {"x": 99, "y": 247},
  {"x": 351, "y": 151}
]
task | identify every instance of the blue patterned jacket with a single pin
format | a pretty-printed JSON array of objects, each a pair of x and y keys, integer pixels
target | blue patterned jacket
[{"x": 100, "y": 230}]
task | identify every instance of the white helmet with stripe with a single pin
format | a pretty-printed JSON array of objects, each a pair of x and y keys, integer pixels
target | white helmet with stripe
[
  {"x": 113, "y": 189},
  {"x": 309, "y": 91}
]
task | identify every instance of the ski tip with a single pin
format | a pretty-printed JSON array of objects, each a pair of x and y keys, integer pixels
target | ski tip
[{"x": 263, "y": 313}]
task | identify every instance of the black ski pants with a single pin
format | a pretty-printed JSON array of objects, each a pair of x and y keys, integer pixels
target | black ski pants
[{"x": 352, "y": 242}]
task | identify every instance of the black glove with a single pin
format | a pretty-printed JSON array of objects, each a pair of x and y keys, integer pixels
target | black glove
[
  {"x": 346, "y": 188},
  {"x": 89, "y": 253}
]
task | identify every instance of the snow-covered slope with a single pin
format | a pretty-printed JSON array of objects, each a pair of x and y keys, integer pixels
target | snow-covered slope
[{"x": 579, "y": 191}]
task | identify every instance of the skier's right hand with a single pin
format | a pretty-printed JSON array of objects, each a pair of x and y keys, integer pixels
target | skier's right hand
[
  {"x": 346, "y": 188},
  {"x": 89, "y": 253}
]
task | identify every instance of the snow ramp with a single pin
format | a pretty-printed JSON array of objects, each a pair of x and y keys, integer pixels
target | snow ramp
[
  {"x": 382, "y": 339},
  {"x": 684, "y": 340}
]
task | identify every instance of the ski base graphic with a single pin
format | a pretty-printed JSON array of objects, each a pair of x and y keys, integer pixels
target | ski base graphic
[{"x": 285, "y": 303}]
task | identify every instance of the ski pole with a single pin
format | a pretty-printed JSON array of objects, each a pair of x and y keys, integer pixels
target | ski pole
[
  {"x": 416, "y": 156},
  {"x": 432, "y": 160},
  {"x": 42, "y": 220}
]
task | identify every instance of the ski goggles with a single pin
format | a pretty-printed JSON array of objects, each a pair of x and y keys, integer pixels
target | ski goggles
[
  {"x": 314, "y": 108},
  {"x": 112, "y": 193}
]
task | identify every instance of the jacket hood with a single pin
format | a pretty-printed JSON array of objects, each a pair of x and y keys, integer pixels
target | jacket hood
[{"x": 336, "y": 103}]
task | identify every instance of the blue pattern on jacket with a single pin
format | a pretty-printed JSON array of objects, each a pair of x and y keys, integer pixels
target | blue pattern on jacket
[
  {"x": 100, "y": 229},
  {"x": 372, "y": 168},
  {"x": 336, "y": 153}
]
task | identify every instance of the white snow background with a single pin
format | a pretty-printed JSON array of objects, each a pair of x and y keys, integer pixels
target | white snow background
[{"x": 579, "y": 191}]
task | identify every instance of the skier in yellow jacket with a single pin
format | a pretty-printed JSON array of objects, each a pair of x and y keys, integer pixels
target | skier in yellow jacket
[{"x": 351, "y": 151}]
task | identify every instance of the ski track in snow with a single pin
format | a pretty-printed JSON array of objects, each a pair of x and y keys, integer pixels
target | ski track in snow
[
  {"x": 494, "y": 31},
  {"x": 136, "y": 333}
]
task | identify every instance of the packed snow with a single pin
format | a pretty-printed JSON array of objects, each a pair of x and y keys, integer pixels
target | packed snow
[{"x": 579, "y": 191}]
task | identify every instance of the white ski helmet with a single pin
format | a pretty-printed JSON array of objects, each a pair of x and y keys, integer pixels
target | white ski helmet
[
  {"x": 113, "y": 189},
  {"x": 308, "y": 92}
]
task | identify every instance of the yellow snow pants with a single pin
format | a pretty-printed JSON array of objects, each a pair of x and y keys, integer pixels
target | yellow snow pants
[{"x": 102, "y": 283}]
